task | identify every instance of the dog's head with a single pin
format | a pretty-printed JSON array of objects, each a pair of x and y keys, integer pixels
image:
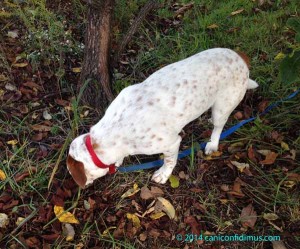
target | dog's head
[{"x": 80, "y": 163}]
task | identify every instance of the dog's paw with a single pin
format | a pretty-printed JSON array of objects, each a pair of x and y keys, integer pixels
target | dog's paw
[
  {"x": 161, "y": 176},
  {"x": 210, "y": 148}
]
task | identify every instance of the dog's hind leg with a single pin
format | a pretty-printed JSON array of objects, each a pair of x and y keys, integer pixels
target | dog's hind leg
[{"x": 220, "y": 114}]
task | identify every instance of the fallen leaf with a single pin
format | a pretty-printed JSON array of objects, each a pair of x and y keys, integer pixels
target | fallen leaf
[
  {"x": 12, "y": 142},
  {"x": 270, "y": 158},
  {"x": 135, "y": 220},
  {"x": 148, "y": 211},
  {"x": 156, "y": 216},
  {"x": 156, "y": 191},
  {"x": 289, "y": 184},
  {"x": 46, "y": 115},
  {"x": 3, "y": 78},
  {"x": 263, "y": 105},
  {"x": 22, "y": 64},
  {"x": 291, "y": 176},
  {"x": 225, "y": 187},
  {"x": 69, "y": 231},
  {"x": 106, "y": 232},
  {"x": 240, "y": 166},
  {"x": 19, "y": 220},
  {"x": 236, "y": 189},
  {"x": 167, "y": 207},
  {"x": 38, "y": 127},
  {"x": 279, "y": 56},
  {"x": 278, "y": 245},
  {"x": 4, "y": 221},
  {"x": 146, "y": 193},
  {"x": 248, "y": 216},
  {"x": 238, "y": 115},
  {"x": 236, "y": 12},
  {"x": 131, "y": 192},
  {"x": 184, "y": 8},
  {"x": 213, "y": 26},
  {"x": 23, "y": 109},
  {"x": 235, "y": 147},
  {"x": 63, "y": 216},
  {"x": 182, "y": 175},
  {"x": 174, "y": 181},
  {"x": 251, "y": 154},
  {"x": 20, "y": 176},
  {"x": 12, "y": 34},
  {"x": 284, "y": 146},
  {"x": 50, "y": 237},
  {"x": 270, "y": 216},
  {"x": 111, "y": 218},
  {"x": 33, "y": 242},
  {"x": 2, "y": 175},
  {"x": 34, "y": 86},
  {"x": 192, "y": 222},
  {"x": 10, "y": 87},
  {"x": 213, "y": 155},
  {"x": 143, "y": 236},
  {"x": 76, "y": 69},
  {"x": 37, "y": 137}
]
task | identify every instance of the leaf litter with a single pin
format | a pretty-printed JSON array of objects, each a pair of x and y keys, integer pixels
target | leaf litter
[{"x": 30, "y": 98}]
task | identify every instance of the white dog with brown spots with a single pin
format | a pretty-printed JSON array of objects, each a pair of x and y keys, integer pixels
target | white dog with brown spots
[{"x": 146, "y": 118}]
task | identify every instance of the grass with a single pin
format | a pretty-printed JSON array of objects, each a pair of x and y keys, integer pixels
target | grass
[{"x": 44, "y": 32}]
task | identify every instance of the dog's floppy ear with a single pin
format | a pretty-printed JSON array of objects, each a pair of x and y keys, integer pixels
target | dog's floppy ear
[
  {"x": 245, "y": 58},
  {"x": 77, "y": 171}
]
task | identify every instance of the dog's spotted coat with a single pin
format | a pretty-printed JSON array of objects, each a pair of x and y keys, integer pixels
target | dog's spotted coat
[{"x": 147, "y": 118}]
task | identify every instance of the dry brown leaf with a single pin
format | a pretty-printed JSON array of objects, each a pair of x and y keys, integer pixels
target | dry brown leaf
[
  {"x": 213, "y": 26},
  {"x": 143, "y": 236},
  {"x": 20, "y": 176},
  {"x": 293, "y": 177},
  {"x": 251, "y": 154},
  {"x": 192, "y": 222},
  {"x": 278, "y": 245},
  {"x": 237, "y": 12},
  {"x": 38, "y": 127},
  {"x": 22, "y": 64},
  {"x": 236, "y": 190},
  {"x": 184, "y": 8},
  {"x": 156, "y": 191},
  {"x": 270, "y": 158},
  {"x": 238, "y": 115},
  {"x": 33, "y": 242},
  {"x": 146, "y": 193},
  {"x": 248, "y": 216}
]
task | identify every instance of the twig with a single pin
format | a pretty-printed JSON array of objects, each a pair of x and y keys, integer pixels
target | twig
[{"x": 150, "y": 5}]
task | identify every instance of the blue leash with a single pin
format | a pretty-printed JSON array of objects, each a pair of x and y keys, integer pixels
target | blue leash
[{"x": 226, "y": 133}]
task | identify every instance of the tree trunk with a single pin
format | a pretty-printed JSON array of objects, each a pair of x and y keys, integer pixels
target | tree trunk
[{"x": 95, "y": 69}]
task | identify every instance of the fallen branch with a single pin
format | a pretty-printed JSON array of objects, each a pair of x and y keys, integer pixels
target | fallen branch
[{"x": 150, "y": 5}]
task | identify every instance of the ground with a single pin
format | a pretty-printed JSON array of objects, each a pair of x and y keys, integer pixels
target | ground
[{"x": 250, "y": 187}]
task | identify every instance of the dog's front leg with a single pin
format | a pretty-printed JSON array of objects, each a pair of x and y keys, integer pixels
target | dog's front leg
[{"x": 170, "y": 160}]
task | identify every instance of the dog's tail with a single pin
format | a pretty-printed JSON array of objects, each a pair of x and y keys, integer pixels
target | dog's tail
[{"x": 252, "y": 84}]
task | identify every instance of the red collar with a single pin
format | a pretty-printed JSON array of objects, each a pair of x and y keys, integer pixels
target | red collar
[{"x": 95, "y": 158}]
